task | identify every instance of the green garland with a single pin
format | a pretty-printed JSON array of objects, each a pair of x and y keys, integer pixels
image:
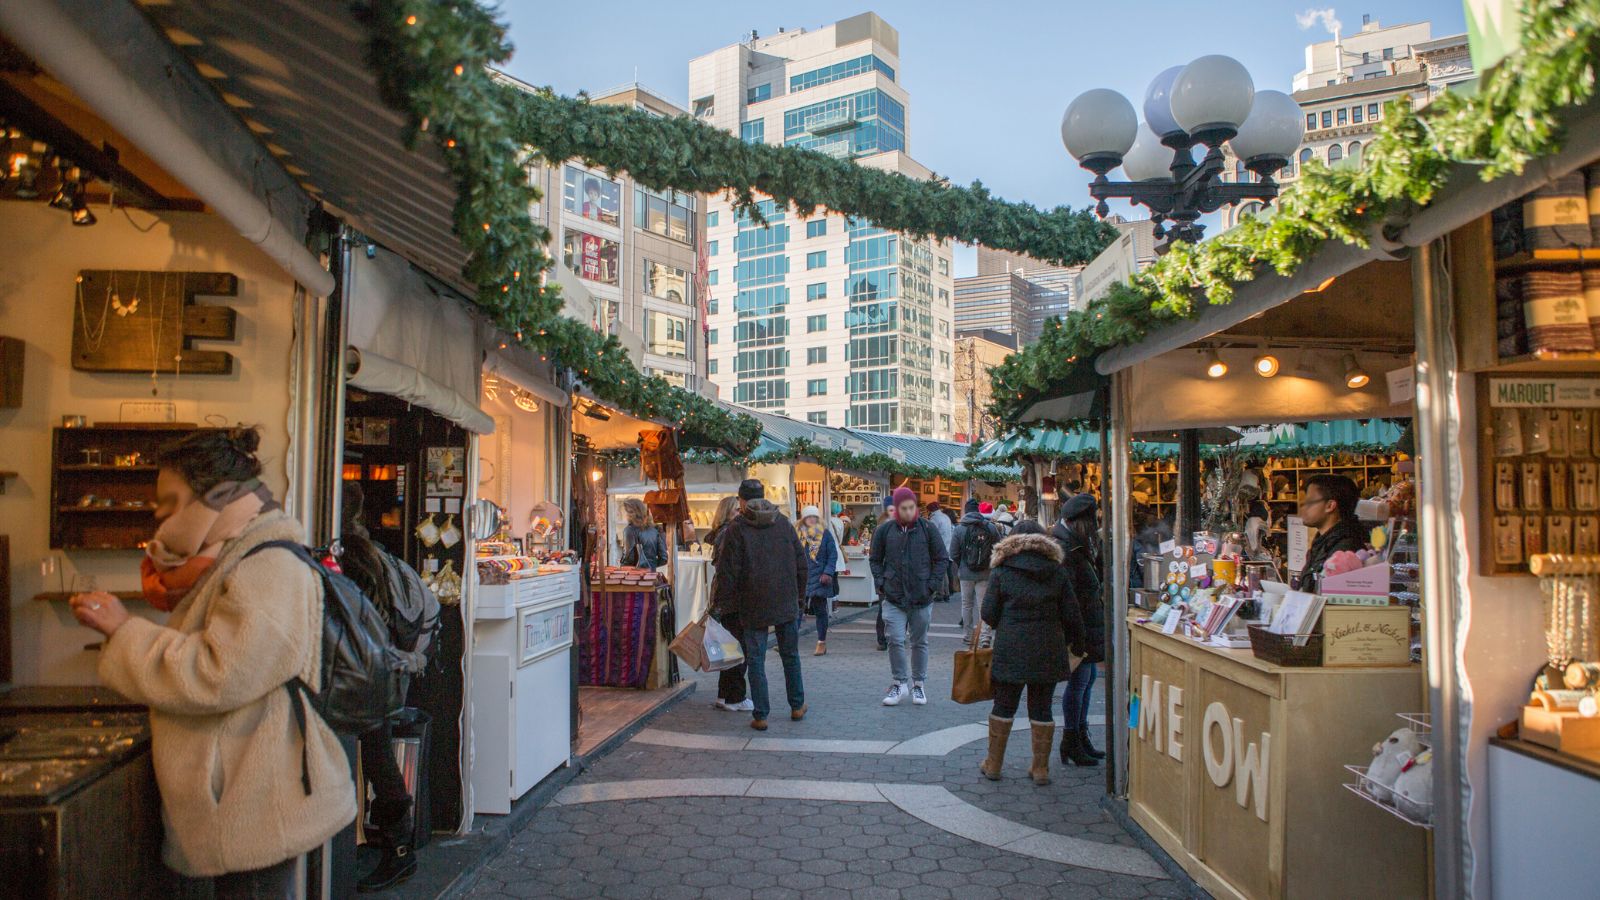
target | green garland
[
  {"x": 1510, "y": 120},
  {"x": 802, "y": 450}
]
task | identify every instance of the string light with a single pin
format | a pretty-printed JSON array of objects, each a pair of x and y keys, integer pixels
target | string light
[{"x": 411, "y": 20}]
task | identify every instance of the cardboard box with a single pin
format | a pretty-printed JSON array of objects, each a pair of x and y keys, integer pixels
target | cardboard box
[
  {"x": 1363, "y": 587},
  {"x": 1366, "y": 635},
  {"x": 1560, "y": 729}
]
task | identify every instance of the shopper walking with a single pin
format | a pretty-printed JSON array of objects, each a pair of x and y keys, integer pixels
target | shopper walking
[
  {"x": 244, "y": 790},
  {"x": 940, "y": 520},
  {"x": 643, "y": 544},
  {"x": 822, "y": 575},
  {"x": 972, "y": 543},
  {"x": 412, "y": 612},
  {"x": 1079, "y": 536},
  {"x": 1036, "y": 621},
  {"x": 762, "y": 577},
  {"x": 732, "y": 694},
  {"x": 909, "y": 563},
  {"x": 888, "y": 515}
]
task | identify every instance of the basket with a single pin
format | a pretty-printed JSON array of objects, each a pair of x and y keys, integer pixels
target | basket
[{"x": 1280, "y": 650}]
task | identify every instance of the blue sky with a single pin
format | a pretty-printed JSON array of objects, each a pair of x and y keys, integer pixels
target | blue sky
[{"x": 988, "y": 81}]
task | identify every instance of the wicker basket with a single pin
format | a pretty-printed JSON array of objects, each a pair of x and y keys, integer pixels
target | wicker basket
[{"x": 1280, "y": 650}]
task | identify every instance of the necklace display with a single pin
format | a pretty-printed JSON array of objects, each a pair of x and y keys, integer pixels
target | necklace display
[{"x": 92, "y": 342}]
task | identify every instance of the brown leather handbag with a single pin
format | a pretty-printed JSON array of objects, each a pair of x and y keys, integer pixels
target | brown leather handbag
[{"x": 970, "y": 682}]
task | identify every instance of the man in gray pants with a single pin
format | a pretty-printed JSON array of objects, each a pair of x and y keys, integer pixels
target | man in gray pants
[
  {"x": 971, "y": 543},
  {"x": 910, "y": 564}
]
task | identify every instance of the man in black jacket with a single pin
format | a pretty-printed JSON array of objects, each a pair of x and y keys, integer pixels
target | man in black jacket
[
  {"x": 1078, "y": 534},
  {"x": 909, "y": 565},
  {"x": 1329, "y": 506},
  {"x": 761, "y": 576}
]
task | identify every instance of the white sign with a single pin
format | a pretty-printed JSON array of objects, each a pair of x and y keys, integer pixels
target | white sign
[
  {"x": 1227, "y": 755},
  {"x": 1544, "y": 393},
  {"x": 1402, "y": 384},
  {"x": 1168, "y": 547},
  {"x": 1299, "y": 543}
]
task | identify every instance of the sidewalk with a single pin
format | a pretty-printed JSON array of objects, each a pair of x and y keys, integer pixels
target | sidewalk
[{"x": 858, "y": 800}]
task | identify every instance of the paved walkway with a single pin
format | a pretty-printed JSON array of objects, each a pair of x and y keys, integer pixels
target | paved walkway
[{"x": 856, "y": 801}]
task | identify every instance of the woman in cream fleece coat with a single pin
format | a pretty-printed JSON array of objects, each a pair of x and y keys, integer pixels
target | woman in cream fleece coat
[{"x": 226, "y": 749}]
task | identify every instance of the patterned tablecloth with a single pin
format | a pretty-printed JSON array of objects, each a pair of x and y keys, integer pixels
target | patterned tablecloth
[{"x": 617, "y": 646}]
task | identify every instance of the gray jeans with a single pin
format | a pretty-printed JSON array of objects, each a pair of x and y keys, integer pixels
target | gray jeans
[
  {"x": 972, "y": 604},
  {"x": 898, "y": 625}
]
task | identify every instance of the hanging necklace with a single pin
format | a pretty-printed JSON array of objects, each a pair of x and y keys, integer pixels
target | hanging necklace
[
  {"x": 91, "y": 342},
  {"x": 157, "y": 325}
]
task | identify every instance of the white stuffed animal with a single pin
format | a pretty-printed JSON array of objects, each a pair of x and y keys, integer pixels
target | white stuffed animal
[
  {"x": 1413, "y": 790},
  {"x": 1387, "y": 758}
]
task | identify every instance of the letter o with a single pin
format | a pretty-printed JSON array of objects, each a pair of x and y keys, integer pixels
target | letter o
[{"x": 1220, "y": 770}]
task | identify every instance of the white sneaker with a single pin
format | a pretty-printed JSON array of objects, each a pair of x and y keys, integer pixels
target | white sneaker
[
  {"x": 897, "y": 692},
  {"x": 741, "y": 706},
  {"x": 918, "y": 697}
]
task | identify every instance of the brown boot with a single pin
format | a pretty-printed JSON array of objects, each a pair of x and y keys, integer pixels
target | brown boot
[
  {"x": 999, "y": 734},
  {"x": 1044, "y": 736}
]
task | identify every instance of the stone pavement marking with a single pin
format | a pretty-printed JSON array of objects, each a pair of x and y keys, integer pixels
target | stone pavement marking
[
  {"x": 930, "y": 803},
  {"x": 935, "y": 743}
]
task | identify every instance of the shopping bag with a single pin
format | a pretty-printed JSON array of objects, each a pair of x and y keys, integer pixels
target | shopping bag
[
  {"x": 689, "y": 645},
  {"x": 721, "y": 648},
  {"x": 970, "y": 683}
]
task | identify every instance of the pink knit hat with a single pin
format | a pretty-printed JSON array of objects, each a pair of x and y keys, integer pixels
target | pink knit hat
[
  {"x": 902, "y": 494},
  {"x": 985, "y": 507}
]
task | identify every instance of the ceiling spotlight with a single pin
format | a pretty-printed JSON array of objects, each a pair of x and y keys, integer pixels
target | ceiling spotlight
[
  {"x": 81, "y": 214},
  {"x": 1215, "y": 367},
  {"x": 1266, "y": 365},
  {"x": 523, "y": 399},
  {"x": 24, "y": 167},
  {"x": 66, "y": 184},
  {"x": 1355, "y": 377}
]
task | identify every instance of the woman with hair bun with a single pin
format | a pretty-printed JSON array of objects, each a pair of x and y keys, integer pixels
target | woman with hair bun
[{"x": 244, "y": 793}]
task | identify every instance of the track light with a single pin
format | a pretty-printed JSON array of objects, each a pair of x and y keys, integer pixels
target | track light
[
  {"x": 1355, "y": 377},
  {"x": 65, "y": 186},
  {"x": 1215, "y": 367},
  {"x": 24, "y": 167},
  {"x": 81, "y": 214},
  {"x": 1266, "y": 365}
]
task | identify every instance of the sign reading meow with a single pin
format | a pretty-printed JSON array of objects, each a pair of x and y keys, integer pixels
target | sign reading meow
[{"x": 1227, "y": 756}]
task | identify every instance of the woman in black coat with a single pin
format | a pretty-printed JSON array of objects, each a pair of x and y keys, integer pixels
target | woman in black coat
[
  {"x": 1037, "y": 630},
  {"x": 1078, "y": 535}
]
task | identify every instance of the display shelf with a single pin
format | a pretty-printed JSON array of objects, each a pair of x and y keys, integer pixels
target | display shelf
[
  {"x": 63, "y": 596},
  {"x": 1421, "y": 722},
  {"x": 1359, "y": 788},
  {"x": 1534, "y": 259},
  {"x": 1473, "y": 290},
  {"x": 79, "y": 468}
]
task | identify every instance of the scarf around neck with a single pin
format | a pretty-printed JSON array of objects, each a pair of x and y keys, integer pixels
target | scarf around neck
[
  {"x": 188, "y": 542},
  {"x": 811, "y": 537}
]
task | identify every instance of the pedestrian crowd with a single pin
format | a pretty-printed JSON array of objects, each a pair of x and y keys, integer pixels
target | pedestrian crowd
[{"x": 1030, "y": 597}]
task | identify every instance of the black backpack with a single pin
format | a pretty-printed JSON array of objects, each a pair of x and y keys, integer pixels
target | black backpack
[
  {"x": 412, "y": 612},
  {"x": 976, "y": 546},
  {"x": 360, "y": 688}
]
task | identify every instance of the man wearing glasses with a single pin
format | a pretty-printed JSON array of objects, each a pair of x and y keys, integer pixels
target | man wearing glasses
[{"x": 1329, "y": 506}]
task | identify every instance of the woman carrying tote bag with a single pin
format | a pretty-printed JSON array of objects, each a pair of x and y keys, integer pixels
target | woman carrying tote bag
[{"x": 1038, "y": 629}]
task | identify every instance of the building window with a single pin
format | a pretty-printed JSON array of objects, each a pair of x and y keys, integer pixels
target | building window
[
  {"x": 944, "y": 358},
  {"x": 754, "y": 132},
  {"x": 1354, "y": 152},
  {"x": 711, "y": 278},
  {"x": 1305, "y": 156},
  {"x": 816, "y": 355},
  {"x": 1388, "y": 53},
  {"x": 944, "y": 390},
  {"x": 838, "y": 71},
  {"x": 1374, "y": 111},
  {"x": 944, "y": 422},
  {"x": 1356, "y": 114},
  {"x": 816, "y": 228},
  {"x": 758, "y": 93},
  {"x": 590, "y": 256},
  {"x": 711, "y": 367},
  {"x": 818, "y": 291},
  {"x": 670, "y": 213},
  {"x": 591, "y": 196},
  {"x": 711, "y": 306},
  {"x": 1311, "y": 121},
  {"x": 1335, "y": 153},
  {"x": 669, "y": 283},
  {"x": 712, "y": 218},
  {"x": 1343, "y": 116},
  {"x": 1327, "y": 118},
  {"x": 711, "y": 248},
  {"x": 844, "y": 127},
  {"x": 676, "y": 379},
  {"x": 711, "y": 336},
  {"x": 705, "y": 107},
  {"x": 816, "y": 259},
  {"x": 817, "y": 323},
  {"x": 816, "y": 387},
  {"x": 944, "y": 269},
  {"x": 817, "y": 418},
  {"x": 666, "y": 335}
]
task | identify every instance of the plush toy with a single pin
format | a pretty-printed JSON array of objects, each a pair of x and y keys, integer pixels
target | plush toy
[
  {"x": 1388, "y": 757},
  {"x": 1413, "y": 790}
]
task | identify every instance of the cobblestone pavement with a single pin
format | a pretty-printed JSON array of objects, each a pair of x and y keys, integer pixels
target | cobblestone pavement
[{"x": 741, "y": 846}]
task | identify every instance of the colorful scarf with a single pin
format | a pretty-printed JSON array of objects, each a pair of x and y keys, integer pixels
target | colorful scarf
[
  {"x": 188, "y": 542},
  {"x": 811, "y": 537}
]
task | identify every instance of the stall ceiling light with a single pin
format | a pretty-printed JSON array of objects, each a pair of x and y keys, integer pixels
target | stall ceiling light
[
  {"x": 1215, "y": 367},
  {"x": 1266, "y": 365},
  {"x": 1355, "y": 377}
]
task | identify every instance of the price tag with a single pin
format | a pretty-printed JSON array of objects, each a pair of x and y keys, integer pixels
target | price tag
[
  {"x": 1168, "y": 546},
  {"x": 1170, "y": 626},
  {"x": 1198, "y": 571}
]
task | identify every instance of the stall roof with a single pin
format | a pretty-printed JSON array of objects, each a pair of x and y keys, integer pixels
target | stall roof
[
  {"x": 1464, "y": 198},
  {"x": 920, "y": 451},
  {"x": 1343, "y": 433}
]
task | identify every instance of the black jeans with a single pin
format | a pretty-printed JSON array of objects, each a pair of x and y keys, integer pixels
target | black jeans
[
  {"x": 391, "y": 802},
  {"x": 1007, "y": 695},
  {"x": 730, "y": 682},
  {"x": 274, "y": 882},
  {"x": 755, "y": 651}
]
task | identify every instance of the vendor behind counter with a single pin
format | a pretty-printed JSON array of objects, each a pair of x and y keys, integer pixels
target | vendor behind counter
[{"x": 1329, "y": 506}]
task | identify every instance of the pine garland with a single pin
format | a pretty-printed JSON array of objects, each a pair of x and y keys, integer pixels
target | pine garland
[
  {"x": 802, "y": 450},
  {"x": 1511, "y": 119}
]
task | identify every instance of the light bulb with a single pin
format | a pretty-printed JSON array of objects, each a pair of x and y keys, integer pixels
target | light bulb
[
  {"x": 1266, "y": 365},
  {"x": 1355, "y": 377},
  {"x": 1216, "y": 368}
]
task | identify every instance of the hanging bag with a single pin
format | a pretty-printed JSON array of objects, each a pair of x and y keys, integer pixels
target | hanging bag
[
  {"x": 706, "y": 646},
  {"x": 970, "y": 682}
]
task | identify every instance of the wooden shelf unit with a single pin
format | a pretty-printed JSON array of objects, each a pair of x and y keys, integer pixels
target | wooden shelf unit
[
  {"x": 1472, "y": 256},
  {"x": 119, "y": 527}
]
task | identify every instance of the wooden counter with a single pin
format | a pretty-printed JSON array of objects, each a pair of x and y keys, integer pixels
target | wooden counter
[{"x": 1235, "y": 769}]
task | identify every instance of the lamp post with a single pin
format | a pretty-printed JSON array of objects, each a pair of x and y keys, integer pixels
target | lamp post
[{"x": 1209, "y": 102}]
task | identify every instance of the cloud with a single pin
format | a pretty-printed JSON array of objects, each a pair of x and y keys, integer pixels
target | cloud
[{"x": 1325, "y": 17}]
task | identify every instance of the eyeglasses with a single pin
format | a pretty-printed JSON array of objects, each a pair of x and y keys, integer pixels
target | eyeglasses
[{"x": 1310, "y": 501}]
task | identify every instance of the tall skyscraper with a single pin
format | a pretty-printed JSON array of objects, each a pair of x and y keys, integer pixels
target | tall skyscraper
[
  {"x": 824, "y": 316},
  {"x": 635, "y": 251}
]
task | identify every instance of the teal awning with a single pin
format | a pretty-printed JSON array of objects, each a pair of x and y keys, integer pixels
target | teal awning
[{"x": 1344, "y": 435}]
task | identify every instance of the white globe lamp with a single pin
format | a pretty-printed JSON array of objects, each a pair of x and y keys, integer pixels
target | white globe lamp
[
  {"x": 1211, "y": 98},
  {"x": 1148, "y": 159},
  {"x": 1158, "y": 107},
  {"x": 1098, "y": 128},
  {"x": 1270, "y": 134}
]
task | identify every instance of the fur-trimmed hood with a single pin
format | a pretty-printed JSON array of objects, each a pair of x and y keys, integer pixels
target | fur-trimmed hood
[{"x": 1032, "y": 553}]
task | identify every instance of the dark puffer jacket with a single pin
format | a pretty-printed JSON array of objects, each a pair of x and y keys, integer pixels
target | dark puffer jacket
[
  {"x": 761, "y": 567},
  {"x": 1083, "y": 565},
  {"x": 909, "y": 565},
  {"x": 1031, "y": 608}
]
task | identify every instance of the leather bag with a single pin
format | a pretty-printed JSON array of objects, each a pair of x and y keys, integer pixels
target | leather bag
[{"x": 970, "y": 680}]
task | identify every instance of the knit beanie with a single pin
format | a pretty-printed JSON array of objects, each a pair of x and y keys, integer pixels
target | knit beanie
[
  {"x": 751, "y": 489},
  {"x": 902, "y": 494},
  {"x": 971, "y": 506}
]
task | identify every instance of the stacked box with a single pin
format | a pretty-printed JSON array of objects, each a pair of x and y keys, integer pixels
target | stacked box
[
  {"x": 1556, "y": 216},
  {"x": 1510, "y": 333},
  {"x": 1555, "y": 312},
  {"x": 1591, "y": 301}
]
